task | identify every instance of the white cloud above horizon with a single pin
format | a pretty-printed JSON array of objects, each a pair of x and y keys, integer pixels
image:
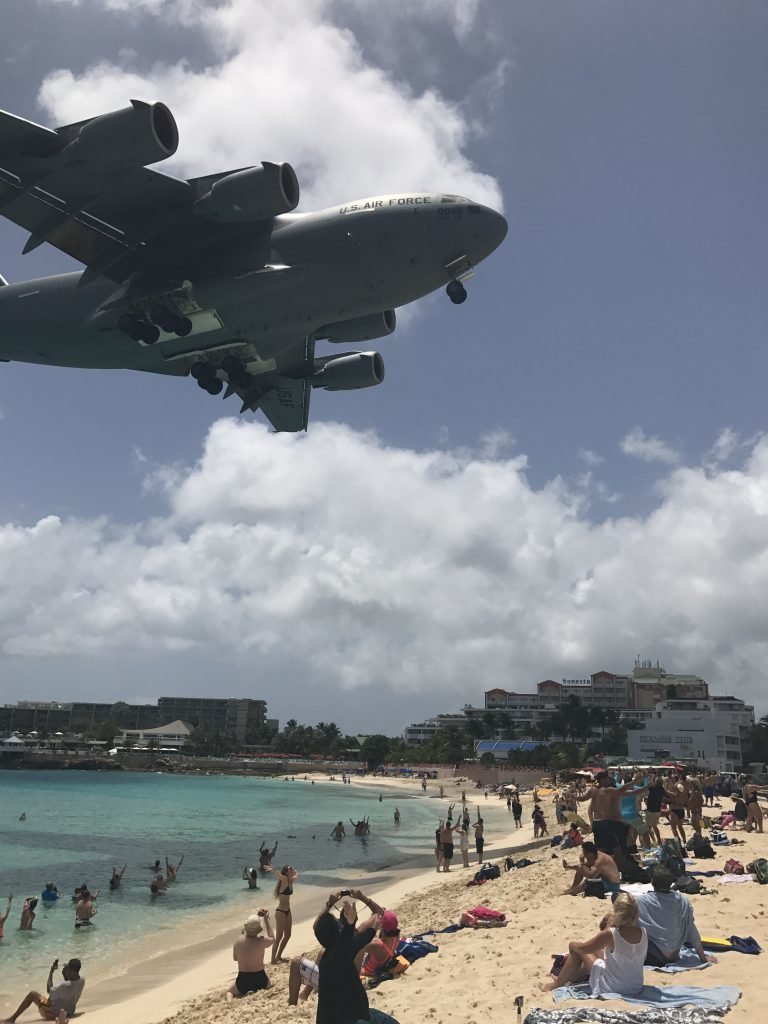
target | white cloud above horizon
[
  {"x": 352, "y": 128},
  {"x": 638, "y": 445},
  {"x": 406, "y": 572}
]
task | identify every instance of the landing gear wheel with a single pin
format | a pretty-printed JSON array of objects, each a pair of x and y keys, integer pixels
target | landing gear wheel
[
  {"x": 128, "y": 324},
  {"x": 149, "y": 334},
  {"x": 201, "y": 371},
  {"x": 215, "y": 386},
  {"x": 456, "y": 292},
  {"x": 184, "y": 326}
]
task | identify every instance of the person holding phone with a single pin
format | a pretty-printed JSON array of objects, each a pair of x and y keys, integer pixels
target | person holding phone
[
  {"x": 341, "y": 997},
  {"x": 248, "y": 952},
  {"x": 60, "y": 1001}
]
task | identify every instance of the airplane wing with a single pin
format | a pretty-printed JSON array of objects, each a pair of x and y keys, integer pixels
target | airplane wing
[
  {"x": 86, "y": 189},
  {"x": 89, "y": 205}
]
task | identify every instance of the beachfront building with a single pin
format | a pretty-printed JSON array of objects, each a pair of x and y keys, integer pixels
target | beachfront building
[
  {"x": 235, "y": 717},
  {"x": 232, "y": 716},
  {"x": 704, "y": 733},
  {"x": 174, "y": 736},
  {"x": 419, "y": 732}
]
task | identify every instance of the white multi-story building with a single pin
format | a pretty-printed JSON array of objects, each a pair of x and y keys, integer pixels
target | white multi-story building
[
  {"x": 175, "y": 734},
  {"x": 707, "y": 733}
]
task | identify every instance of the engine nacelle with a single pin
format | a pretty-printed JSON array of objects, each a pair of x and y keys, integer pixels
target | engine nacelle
[
  {"x": 360, "y": 328},
  {"x": 349, "y": 371},
  {"x": 257, "y": 193},
  {"x": 139, "y": 135}
]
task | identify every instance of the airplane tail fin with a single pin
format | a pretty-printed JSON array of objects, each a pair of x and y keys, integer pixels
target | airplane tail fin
[{"x": 3, "y": 282}]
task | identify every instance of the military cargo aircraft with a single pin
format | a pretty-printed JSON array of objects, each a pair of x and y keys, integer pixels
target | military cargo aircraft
[{"x": 215, "y": 277}]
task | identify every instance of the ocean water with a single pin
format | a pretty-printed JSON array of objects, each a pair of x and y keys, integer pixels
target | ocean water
[{"x": 80, "y": 824}]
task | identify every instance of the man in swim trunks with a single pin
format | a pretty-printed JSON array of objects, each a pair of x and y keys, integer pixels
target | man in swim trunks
[
  {"x": 60, "y": 1002},
  {"x": 593, "y": 863},
  {"x": 303, "y": 971},
  {"x": 479, "y": 837},
  {"x": 84, "y": 909},
  {"x": 605, "y": 814},
  {"x": 446, "y": 842},
  {"x": 249, "y": 952},
  {"x": 677, "y": 795}
]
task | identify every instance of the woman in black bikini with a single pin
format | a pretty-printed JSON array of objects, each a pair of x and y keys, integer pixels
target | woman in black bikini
[{"x": 283, "y": 920}]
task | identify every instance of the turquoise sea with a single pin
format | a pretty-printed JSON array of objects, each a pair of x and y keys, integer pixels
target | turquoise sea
[{"x": 79, "y": 824}]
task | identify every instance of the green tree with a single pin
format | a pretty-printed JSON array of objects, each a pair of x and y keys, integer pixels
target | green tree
[
  {"x": 487, "y": 760},
  {"x": 375, "y": 749}
]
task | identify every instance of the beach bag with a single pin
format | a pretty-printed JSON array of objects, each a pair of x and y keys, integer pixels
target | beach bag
[
  {"x": 509, "y": 863},
  {"x": 701, "y": 848},
  {"x": 487, "y": 872},
  {"x": 719, "y": 838},
  {"x": 395, "y": 966},
  {"x": 670, "y": 848},
  {"x": 733, "y": 867},
  {"x": 759, "y": 868},
  {"x": 594, "y": 887},
  {"x": 555, "y": 840},
  {"x": 689, "y": 885},
  {"x": 631, "y": 871},
  {"x": 675, "y": 865}
]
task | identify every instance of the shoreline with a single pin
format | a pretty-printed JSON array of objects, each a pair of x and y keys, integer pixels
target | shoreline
[{"x": 157, "y": 987}]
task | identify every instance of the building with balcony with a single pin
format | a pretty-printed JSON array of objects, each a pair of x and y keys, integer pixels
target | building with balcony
[{"x": 705, "y": 733}]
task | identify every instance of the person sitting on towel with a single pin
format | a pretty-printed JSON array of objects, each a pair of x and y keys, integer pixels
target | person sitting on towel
[
  {"x": 667, "y": 917},
  {"x": 612, "y": 961}
]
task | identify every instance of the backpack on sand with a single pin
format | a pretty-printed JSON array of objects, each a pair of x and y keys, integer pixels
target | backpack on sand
[
  {"x": 759, "y": 868},
  {"x": 687, "y": 884},
  {"x": 487, "y": 872}
]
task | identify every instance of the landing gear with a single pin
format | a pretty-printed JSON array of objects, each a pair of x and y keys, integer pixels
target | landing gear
[
  {"x": 456, "y": 292},
  {"x": 205, "y": 375},
  {"x": 171, "y": 322},
  {"x": 238, "y": 376},
  {"x": 138, "y": 329}
]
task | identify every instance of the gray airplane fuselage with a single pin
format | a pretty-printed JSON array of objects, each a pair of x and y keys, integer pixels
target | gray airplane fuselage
[{"x": 268, "y": 284}]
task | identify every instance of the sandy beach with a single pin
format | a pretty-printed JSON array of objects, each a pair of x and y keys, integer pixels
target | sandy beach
[{"x": 475, "y": 975}]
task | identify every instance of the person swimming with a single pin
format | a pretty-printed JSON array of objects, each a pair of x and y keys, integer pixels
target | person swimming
[
  {"x": 338, "y": 831},
  {"x": 265, "y": 857}
]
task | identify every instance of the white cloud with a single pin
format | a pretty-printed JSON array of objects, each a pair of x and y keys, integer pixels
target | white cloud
[
  {"x": 287, "y": 81},
  {"x": 726, "y": 444},
  {"x": 639, "y": 445},
  {"x": 429, "y": 572},
  {"x": 590, "y": 458}
]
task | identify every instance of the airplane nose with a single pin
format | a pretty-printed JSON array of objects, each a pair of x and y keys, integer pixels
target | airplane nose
[{"x": 496, "y": 227}]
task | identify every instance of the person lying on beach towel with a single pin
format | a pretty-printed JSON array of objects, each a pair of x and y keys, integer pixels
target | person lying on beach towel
[{"x": 612, "y": 960}]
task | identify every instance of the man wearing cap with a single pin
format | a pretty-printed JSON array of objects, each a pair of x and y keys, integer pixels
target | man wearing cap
[
  {"x": 61, "y": 1000},
  {"x": 249, "y": 951}
]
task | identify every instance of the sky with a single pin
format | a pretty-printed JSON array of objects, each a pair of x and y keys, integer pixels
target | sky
[{"x": 566, "y": 472}]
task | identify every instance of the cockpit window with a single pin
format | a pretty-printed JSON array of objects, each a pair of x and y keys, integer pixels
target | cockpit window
[{"x": 453, "y": 199}]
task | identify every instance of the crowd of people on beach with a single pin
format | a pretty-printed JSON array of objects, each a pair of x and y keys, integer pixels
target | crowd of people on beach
[{"x": 613, "y": 824}]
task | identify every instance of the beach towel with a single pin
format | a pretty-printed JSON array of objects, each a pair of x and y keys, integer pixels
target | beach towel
[
  {"x": 439, "y": 931},
  {"x": 652, "y": 995},
  {"x": 731, "y": 879},
  {"x": 599, "y": 1015},
  {"x": 748, "y": 945},
  {"x": 414, "y": 949},
  {"x": 687, "y": 960}
]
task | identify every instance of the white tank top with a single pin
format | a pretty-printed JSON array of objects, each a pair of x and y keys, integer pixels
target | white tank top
[{"x": 621, "y": 970}]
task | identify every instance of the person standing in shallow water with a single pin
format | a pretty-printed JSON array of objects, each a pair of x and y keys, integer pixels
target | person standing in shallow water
[
  {"x": 397, "y": 816},
  {"x": 283, "y": 919}
]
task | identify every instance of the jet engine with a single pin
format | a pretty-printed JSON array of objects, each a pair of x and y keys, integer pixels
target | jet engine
[
  {"x": 257, "y": 193},
  {"x": 360, "y": 328},
  {"x": 349, "y": 371},
  {"x": 140, "y": 134}
]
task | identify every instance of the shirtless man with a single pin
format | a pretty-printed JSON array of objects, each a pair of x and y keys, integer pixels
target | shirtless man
[
  {"x": 754, "y": 811},
  {"x": 446, "y": 842},
  {"x": 172, "y": 870},
  {"x": 248, "y": 951},
  {"x": 593, "y": 863},
  {"x": 695, "y": 804},
  {"x": 339, "y": 831},
  {"x": 84, "y": 909},
  {"x": 605, "y": 813}
]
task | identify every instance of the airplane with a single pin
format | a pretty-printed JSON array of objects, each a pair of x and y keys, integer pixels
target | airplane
[{"x": 215, "y": 277}]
